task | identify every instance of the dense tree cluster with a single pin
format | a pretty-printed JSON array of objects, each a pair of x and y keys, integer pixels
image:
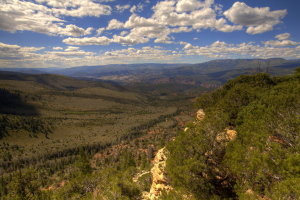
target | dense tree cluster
[{"x": 262, "y": 161}]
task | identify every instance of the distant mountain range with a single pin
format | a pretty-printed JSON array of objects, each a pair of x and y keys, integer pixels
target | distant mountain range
[{"x": 211, "y": 72}]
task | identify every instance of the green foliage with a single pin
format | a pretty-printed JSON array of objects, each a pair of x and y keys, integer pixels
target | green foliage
[
  {"x": 78, "y": 187},
  {"x": 126, "y": 160},
  {"x": 24, "y": 185},
  {"x": 116, "y": 185},
  {"x": 187, "y": 163},
  {"x": 83, "y": 163},
  {"x": 263, "y": 159},
  {"x": 33, "y": 125},
  {"x": 144, "y": 182}
]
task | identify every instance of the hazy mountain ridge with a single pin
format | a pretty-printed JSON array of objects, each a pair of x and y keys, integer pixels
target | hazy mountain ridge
[{"x": 206, "y": 72}]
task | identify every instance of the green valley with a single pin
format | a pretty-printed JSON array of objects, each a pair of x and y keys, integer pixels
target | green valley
[{"x": 83, "y": 138}]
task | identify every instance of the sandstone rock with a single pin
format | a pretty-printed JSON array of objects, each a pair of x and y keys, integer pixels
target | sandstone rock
[
  {"x": 200, "y": 114},
  {"x": 226, "y": 136},
  {"x": 161, "y": 181}
]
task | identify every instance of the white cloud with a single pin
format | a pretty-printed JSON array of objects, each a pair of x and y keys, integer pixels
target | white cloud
[
  {"x": 129, "y": 40},
  {"x": 123, "y": 33},
  {"x": 57, "y": 48},
  {"x": 183, "y": 43},
  {"x": 258, "y": 20},
  {"x": 283, "y": 36},
  {"x": 80, "y": 8},
  {"x": 282, "y": 41},
  {"x": 11, "y": 54},
  {"x": 187, "y": 5},
  {"x": 199, "y": 16},
  {"x": 133, "y": 9},
  {"x": 24, "y": 15},
  {"x": 87, "y": 41},
  {"x": 70, "y": 53},
  {"x": 71, "y": 30},
  {"x": 223, "y": 50},
  {"x": 72, "y": 48},
  {"x": 277, "y": 43},
  {"x": 187, "y": 46},
  {"x": 218, "y": 8},
  {"x": 16, "y": 48},
  {"x": 259, "y": 29},
  {"x": 151, "y": 32},
  {"x": 221, "y": 25},
  {"x": 121, "y": 9},
  {"x": 100, "y": 31},
  {"x": 138, "y": 8},
  {"x": 114, "y": 24},
  {"x": 163, "y": 39},
  {"x": 218, "y": 44},
  {"x": 137, "y": 21},
  {"x": 181, "y": 29}
]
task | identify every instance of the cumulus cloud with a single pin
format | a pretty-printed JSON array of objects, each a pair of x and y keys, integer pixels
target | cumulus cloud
[
  {"x": 70, "y": 53},
  {"x": 17, "y": 48},
  {"x": 258, "y": 20},
  {"x": 37, "y": 17},
  {"x": 218, "y": 44},
  {"x": 137, "y": 21},
  {"x": 57, "y": 48},
  {"x": 100, "y": 31},
  {"x": 283, "y": 36},
  {"x": 187, "y": 5},
  {"x": 277, "y": 43},
  {"x": 15, "y": 52},
  {"x": 87, "y": 41},
  {"x": 281, "y": 42},
  {"x": 187, "y": 46},
  {"x": 121, "y": 9},
  {"x": 259, "y": 29},
  {"x": 138, "y": 8},
  {"x": 128, "y": 40},
  {"x": 17, "y": 56},
  {"x": 123, "y": 33},
  {"x": 198, "y": 15},
  {"x": 79, "y": 8},
  {"x": 71, "y": 30},
  {"x": 72, "y": 48},
  {"x": 150, "y": 32},
  {"x": 114, "y": 24},
  {"x": 223, "y": 50},
  {"x": 181, "y": 29},
  {"x": 163, "y": 39}
]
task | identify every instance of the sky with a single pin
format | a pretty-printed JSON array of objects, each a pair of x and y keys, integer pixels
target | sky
[{"x": 69, "y": 33}]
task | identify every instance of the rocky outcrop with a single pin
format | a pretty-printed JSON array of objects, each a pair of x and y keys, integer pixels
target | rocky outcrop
[
  {"x": 200, "y": 114},
  {"x": 226, "y": 136},
  {"x": 161, "y": 181}
]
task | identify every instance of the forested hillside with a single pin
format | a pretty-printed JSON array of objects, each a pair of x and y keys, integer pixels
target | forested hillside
[
  {"x": 62, "y": 138},
  {"x": 67, "y": 139},
  {"x": 246, "y": 147}
]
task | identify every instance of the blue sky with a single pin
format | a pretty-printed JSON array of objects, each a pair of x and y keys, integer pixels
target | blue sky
[{"x": 68, "y": 33}]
